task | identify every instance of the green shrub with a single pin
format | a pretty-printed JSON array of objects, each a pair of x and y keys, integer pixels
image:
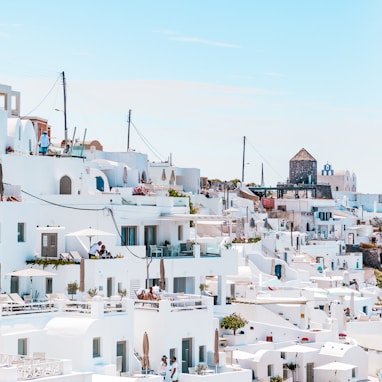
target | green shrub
[{"x": 234, "y": 321}]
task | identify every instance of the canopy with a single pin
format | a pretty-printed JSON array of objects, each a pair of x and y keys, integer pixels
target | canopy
[
  {"x": 90, "y": 233},
  {"x": 31, "y": 272}
]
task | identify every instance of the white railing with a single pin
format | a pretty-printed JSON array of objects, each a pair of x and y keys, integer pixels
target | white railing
[
  {"x": 176, "y": 303},
  {"x": 31, "y": 368},
  {"x": 78, "y": 307}
]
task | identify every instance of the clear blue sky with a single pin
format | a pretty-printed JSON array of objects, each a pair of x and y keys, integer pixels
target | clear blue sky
[{"x": 200, "y": 75}]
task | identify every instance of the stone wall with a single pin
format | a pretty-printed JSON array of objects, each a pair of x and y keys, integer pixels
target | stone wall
[
  {"x": 303, "y": 171},
  {"x": 372, "y": 257}
]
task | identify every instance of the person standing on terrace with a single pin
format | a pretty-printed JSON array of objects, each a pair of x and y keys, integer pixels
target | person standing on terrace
[
  {"x": 94, "y": 250},
  {"x": 43, "y": 143}
]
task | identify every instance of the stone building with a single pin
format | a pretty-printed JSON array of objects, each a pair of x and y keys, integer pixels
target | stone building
[{"x": 303, "y": 168}]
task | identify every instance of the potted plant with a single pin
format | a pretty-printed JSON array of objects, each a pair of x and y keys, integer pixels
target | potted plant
[
  {"x": 201, "y": 368},
  {"x": 72, "y": 288},
  {"x": 122, "y": 292},
  {"x": 234, "y": 321},
  {"x": 202, "y": 288},
  {"x": 92, "y": 292}
]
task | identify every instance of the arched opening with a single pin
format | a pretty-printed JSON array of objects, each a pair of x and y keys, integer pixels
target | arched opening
[
  {"x": 100, "y": 184},
  {"x": 65, "y": 185},
  {"x": 278, "y": 271}
]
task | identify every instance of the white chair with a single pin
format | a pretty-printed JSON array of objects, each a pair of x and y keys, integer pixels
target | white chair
[
  {"x": 155, "y": 251},
  {"x": 75, "y": 255},
  {"x": 64, "y": 256},
  {"x": 17, "y": 301}
]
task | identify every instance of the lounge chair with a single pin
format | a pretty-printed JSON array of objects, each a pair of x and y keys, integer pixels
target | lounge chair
[
  {"x": 62, "y": 296},
  {"x": 75, "y": 255},
  {"x": 17, "y": 301},
  {"x": 39, "y": 355},
  {"x": 64, "y": 256},
  {"x": 6, "y": 301},
  {"x": 28, "y": 298}
]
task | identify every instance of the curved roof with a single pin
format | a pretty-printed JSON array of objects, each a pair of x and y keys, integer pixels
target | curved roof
[{"x": 69, "y": 326}]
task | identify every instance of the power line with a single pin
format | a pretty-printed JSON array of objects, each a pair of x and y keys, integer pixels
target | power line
[
  {"x": 55, "y": 83},
  {"x": 153, "y": 150},
  {"x": 265, "y": 160}
]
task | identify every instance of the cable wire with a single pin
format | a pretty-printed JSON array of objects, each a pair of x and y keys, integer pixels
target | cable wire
[
  {"x": 55, "y": 83},
  {"x": 262, "y": 157},
  {"x": 154, "y": 151}
]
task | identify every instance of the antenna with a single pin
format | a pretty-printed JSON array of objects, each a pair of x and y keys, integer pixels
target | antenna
[
  {"x": 65, "y": 123},
  {"x": 128, "y": 130},
  {"x": 242, "y": 171}
]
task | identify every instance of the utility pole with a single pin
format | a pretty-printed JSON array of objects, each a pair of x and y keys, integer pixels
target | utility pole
[
  {"x": 128, "y": 130},
  {"x": 242, "y": 172},
  {"x": 65, "y": 123}
]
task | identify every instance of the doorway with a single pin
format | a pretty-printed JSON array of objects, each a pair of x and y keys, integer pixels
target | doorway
[
  {"x": 49, "y": 245},
  {"x": 109, "y": 287},
  {"x": 310, "y": 372},
  {"x": 186, "y": 354},
  {"x": 121, "y": 357}
]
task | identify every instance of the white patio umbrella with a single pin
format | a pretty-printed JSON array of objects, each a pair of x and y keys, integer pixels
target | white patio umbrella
[
  {"x": 172, "y": 177},
  {"x": 352, "y": 305},
  {"x": 31, "y": 272},
  {"x": 90, "y": 233}
]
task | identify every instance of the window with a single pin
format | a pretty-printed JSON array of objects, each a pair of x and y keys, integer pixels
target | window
[
  {"x": 21, "y": 232},
  {"x": 129, "y": 235},
  {"x": 22, "y": 348},
  {"x": 96, "y": 347},
  {"x": 202, "y": 353},
  {"x": 100, "y": 184},
  {"x": 270, "y": 370}
]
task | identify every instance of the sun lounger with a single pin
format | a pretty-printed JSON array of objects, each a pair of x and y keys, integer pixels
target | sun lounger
[
  {"x": 62, "y": 296},
  {"x": 28, "y": 299},
  {"x": 64, "y": 256},
  {"x": 17, "y": 301},
  {"x": 5, "y": 301},
  {"x": 75, "y": 255}
]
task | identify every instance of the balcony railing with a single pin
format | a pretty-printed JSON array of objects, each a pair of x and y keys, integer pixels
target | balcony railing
[{"x": 31, "y": 367}]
